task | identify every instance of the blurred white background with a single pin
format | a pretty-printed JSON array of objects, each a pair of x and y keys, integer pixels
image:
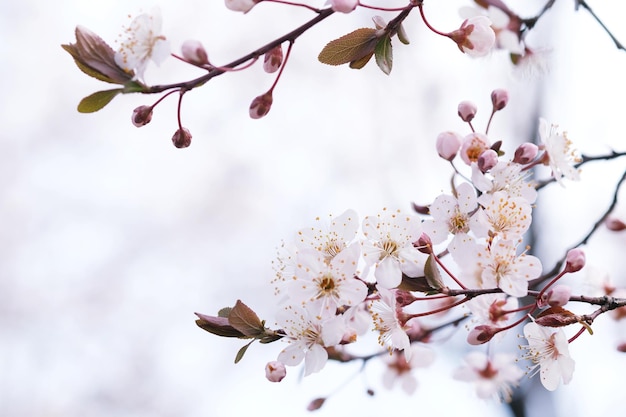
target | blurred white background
[{"x": 112, "y": 238}]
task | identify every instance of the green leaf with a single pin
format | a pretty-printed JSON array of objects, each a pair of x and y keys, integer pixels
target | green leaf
[
  {"x": 98, "y": 100},
  {"x": 402, "y": 37},
  {"x": 349, "y": 48},
  {"x": 242, "y": 318},
  {"x": 384, "y": 55},
  {"x": 432, "y": 273},
  {"x": 242, "y": 352}
]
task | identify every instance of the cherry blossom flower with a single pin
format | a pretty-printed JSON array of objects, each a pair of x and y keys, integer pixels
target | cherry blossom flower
[
  {"x": 505, "y": 176},
  {"x": 144, "y": 42},
  {"x": 400, "y": 371},
  {"x": 389, "y": 246},
  {"x": 502, "y": 25},
  {"x": 561, "y": 157},
  {"x": 391, "y": 333},
  {"x": 502, "y": 268},
  {"x": 493, "y": 377},
  {"x": 325, "y": 286},
  {"x": 495, "y": 265},
  {"x": 307, "y": 336},
  {"x": 502, "y": 215},
  {"x": 329, "y": 238},
  {"x": 490, "y": 309},
  {"x": 475, "y": 37},
  {"x": 548, "y": 349},
  {"x": 473, "y": 146},
  {"x": 451, "y": 214}
]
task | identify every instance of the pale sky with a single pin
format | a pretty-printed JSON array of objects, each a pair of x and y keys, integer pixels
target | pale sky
[{"x": 113, "y": 237}]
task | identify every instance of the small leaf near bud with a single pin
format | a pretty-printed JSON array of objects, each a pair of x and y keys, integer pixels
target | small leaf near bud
[
  {"x": 182, "y": 138},
  {"x": 261, "y": 105},
  {"x": 433, "y": 276},
  {"x": 421, "y": 209},
  {"x": 384, "y": 55},
  {"x": 218, "y": 326},
  {"x": 142, "y": 115},
  {"x": 273, "y": 59},
  {"x": 556, "y": 317},
  {"x": 244, "y": 319},
  {"x": 352, "y": 47},
  {"x": 97, "y": 101}
]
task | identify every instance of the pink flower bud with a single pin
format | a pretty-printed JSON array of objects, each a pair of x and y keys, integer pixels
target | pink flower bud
[
  {"x": 142, "y": 115},
  {"x": 275, "y": 371},
  {"x": 194, "y": 52},
  {"x": 556, "y": 296},
  {"x": 448, "y": 145},
  {"x": 614, "y": 224},
  {"x": 487, "y": 160},
  {"x": 621, "y": 347},
  {"x": 475, "y": 37},
  {"x": 575, "y": 260},
  {"x": 467, "y": 110},
  {"x": 525, "y": 153},
  {"x": 182, "y": 138},
  {"x": 344, "y": 6},
  {"x": 261, "y": 105},
  {"x": 481, "y": 334},
  {"x": 473, "y": 146},
  {"x": 499, "y": 98},
  {"x": 273, "y": 59},
  {"x": 240, "y": 5}
]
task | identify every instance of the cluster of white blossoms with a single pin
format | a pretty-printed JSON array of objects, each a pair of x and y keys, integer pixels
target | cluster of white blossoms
[{"x": 340, "y": 278}]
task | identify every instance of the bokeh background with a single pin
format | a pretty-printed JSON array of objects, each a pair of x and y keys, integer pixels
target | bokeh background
[{"x": 112, "y": 238}]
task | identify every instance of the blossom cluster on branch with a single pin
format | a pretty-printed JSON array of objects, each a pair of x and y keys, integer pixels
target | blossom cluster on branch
[{"x": 464, "y": 253}]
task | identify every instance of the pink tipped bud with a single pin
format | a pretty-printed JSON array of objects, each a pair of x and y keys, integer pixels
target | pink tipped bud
[
  {"x": 344, "y": 6},
  {"x": 261, "y": 105},
  {"x": 481, "y": 334},
  {"x": 448, "y": 145},
  {"x": 275, "y": 371},
  {"x": 556, "y": 296},
  {"x": 194, "y": 52},
  {"x": 240, "y": 5},
  {"x": 473, "y": 146},
  {"x": 467, "y": 110},
  {"x": 575, "y": 260},
  {"x": 487, "y": 160},
  {"x": 273, "y": 59},
  {"x": 404, "y": 298},
  {"x": 182, "y": 138},
  {"x": 499, "y": 98},
  {"x": 622, "y": 347},
  {"x": 525, "y": 153},
  {"x": 142, "y": 115},
  {"x": 614, "y": 224}
]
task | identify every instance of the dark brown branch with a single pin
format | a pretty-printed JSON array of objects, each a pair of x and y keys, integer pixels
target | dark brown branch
[{"x": 583, "y": 4}]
